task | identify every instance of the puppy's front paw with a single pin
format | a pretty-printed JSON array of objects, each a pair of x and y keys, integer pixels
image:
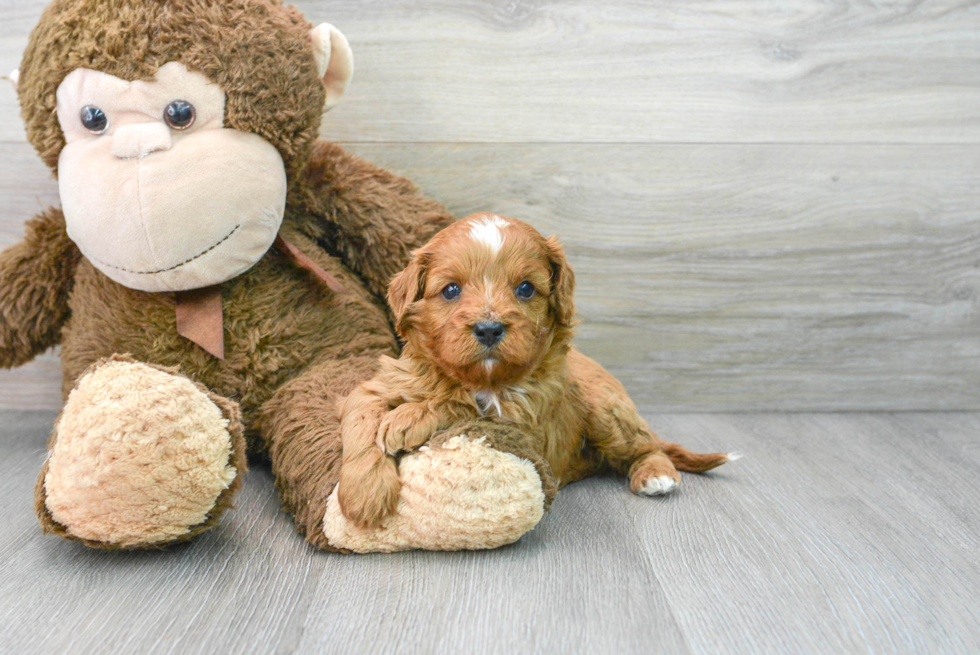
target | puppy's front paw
[
  {"x": 367, "y": 498},
  {"x": 406, "y": 427}
]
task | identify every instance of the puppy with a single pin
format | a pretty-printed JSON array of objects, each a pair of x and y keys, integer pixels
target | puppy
[{"x": 486, "y": 313}]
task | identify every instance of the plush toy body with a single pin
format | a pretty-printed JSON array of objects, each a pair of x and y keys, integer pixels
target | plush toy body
[
  {"x": 183, "y": 137},
  {"x": 486, "y": 311}
]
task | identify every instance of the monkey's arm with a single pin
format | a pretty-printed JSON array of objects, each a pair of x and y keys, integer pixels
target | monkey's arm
[
  {"x": 372, "y": 217},
  {"x": 35, "y": 279}
]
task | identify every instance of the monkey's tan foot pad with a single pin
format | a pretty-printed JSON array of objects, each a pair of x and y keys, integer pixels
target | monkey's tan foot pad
[
  {"x": 462, "y": 495},
  {"x": 141, "y": 457}
]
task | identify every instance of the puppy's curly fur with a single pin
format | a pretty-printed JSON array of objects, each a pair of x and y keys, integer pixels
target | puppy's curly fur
[{"x": 486, "y": 311}]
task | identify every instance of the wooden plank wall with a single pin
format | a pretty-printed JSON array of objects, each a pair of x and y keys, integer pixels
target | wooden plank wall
[{"x": 769, "y": 205}]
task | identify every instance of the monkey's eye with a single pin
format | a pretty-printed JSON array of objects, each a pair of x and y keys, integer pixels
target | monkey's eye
[
  {"x": 452, "y": 291},
  {"x": 525, "y": 290},
  {"x": 179, "y": 114},
  {"x": 93, "y": 119}
]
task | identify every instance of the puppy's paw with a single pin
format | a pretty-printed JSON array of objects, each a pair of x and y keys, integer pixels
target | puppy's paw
[
  {"x": 367, "y": 498},
  {"x": 658, "y": 486},
  {"x": 654, "y": 476},
  {"x": 406, "y": 427}
]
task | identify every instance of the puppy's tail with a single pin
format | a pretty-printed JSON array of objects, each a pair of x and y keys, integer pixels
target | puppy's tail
[{"x": 685, "y": 460}]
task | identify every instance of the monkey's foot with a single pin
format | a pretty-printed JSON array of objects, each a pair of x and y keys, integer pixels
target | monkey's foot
[
  {"x": 141, "y": 457},
  {"x": 460, "y": 495}
]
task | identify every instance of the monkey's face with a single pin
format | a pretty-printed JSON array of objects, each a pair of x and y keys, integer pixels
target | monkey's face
[{"x": 156, "y": 192}]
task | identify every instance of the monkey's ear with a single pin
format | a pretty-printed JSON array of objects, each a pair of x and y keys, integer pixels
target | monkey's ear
[
  {"x": 405, "y": 289},
  {"x": 13, "y": 77},
  {"x": 562, "y": 283},
  {"x": 334, "y": 61}
]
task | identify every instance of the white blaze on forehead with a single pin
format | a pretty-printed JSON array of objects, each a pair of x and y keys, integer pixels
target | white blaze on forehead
[{"x": 488, "y": 230}]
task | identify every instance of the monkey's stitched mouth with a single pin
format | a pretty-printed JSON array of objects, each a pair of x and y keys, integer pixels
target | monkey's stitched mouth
[{"x": 175, "y": 266}]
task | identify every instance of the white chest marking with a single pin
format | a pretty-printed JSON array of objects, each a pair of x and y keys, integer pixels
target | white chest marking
[
  {"x": 486, "y": 400},
  {"x": 489, "y": 231}
]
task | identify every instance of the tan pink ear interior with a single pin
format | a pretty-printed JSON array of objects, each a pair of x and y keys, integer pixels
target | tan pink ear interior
[{"x": 335, "y": 61}]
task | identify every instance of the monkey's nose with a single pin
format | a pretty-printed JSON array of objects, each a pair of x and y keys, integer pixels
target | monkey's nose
[
  {"x": 488, "y": 333},
  {"x": 140, "y": 139}
]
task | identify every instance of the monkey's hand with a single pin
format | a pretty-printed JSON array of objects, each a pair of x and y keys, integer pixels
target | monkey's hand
[
  {"x": 35, "y": 279},
  {"x": 407, "y": 427},
  {"x": 368, "y": 488}
]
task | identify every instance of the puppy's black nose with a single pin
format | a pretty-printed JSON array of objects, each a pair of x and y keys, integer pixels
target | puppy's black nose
[{"x": 488, "y": 333}]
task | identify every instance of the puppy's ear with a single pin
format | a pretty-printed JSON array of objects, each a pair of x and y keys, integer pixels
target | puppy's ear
[
  {"x": 562, "y": 283},
  {"x": 405, "y": 288}
]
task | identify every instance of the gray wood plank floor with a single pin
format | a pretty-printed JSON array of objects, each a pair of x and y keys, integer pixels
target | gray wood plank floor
[{"x": 837, "y": 533}]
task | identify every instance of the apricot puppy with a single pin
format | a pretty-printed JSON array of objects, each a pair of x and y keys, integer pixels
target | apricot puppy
[{"x": 486, "y": 311}]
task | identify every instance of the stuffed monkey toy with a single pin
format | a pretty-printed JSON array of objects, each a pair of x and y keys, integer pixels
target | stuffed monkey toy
[{"x": 215, "y": 278}]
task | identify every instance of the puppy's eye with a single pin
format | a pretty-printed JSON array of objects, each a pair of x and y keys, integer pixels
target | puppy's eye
[
  {"x": 93, "y": 119},
  {"x": 451, "y": 292},
  {"x": 179, "y": 114},
  {"x": 525, "y": 290}
]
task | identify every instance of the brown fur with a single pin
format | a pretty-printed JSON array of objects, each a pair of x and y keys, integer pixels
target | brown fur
[
  {"x": 36, "y": 278},
  {"x": 292, "y": 346},
  {"x": 571, "y": 412}
]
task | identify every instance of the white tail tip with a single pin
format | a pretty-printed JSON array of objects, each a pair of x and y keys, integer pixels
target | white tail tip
[
  {"x": 733, "y": 456},
  {"x": 14, "y": 76}
]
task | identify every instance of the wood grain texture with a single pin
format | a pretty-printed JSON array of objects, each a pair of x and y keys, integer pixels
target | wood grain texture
[
  {"x": 836, "y": 533},
  {"x": 725, "y": 277},
  {"x": 750, "y": 277},
  {"x": 841, "y": 509},
  {"x": 27, "y": 187},
  {"x": 770, "y": 259},
  {"x": 588, "y": 70}
]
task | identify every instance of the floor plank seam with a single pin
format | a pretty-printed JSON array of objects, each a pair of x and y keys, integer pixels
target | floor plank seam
[{"x": 653, "y": 570}]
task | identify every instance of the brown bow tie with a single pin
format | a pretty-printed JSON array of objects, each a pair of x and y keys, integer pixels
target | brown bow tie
[{"x": 199, "y": 313}]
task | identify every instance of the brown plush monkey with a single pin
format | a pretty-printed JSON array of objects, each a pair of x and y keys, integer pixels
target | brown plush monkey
[{"x": 183, "y": 136}]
